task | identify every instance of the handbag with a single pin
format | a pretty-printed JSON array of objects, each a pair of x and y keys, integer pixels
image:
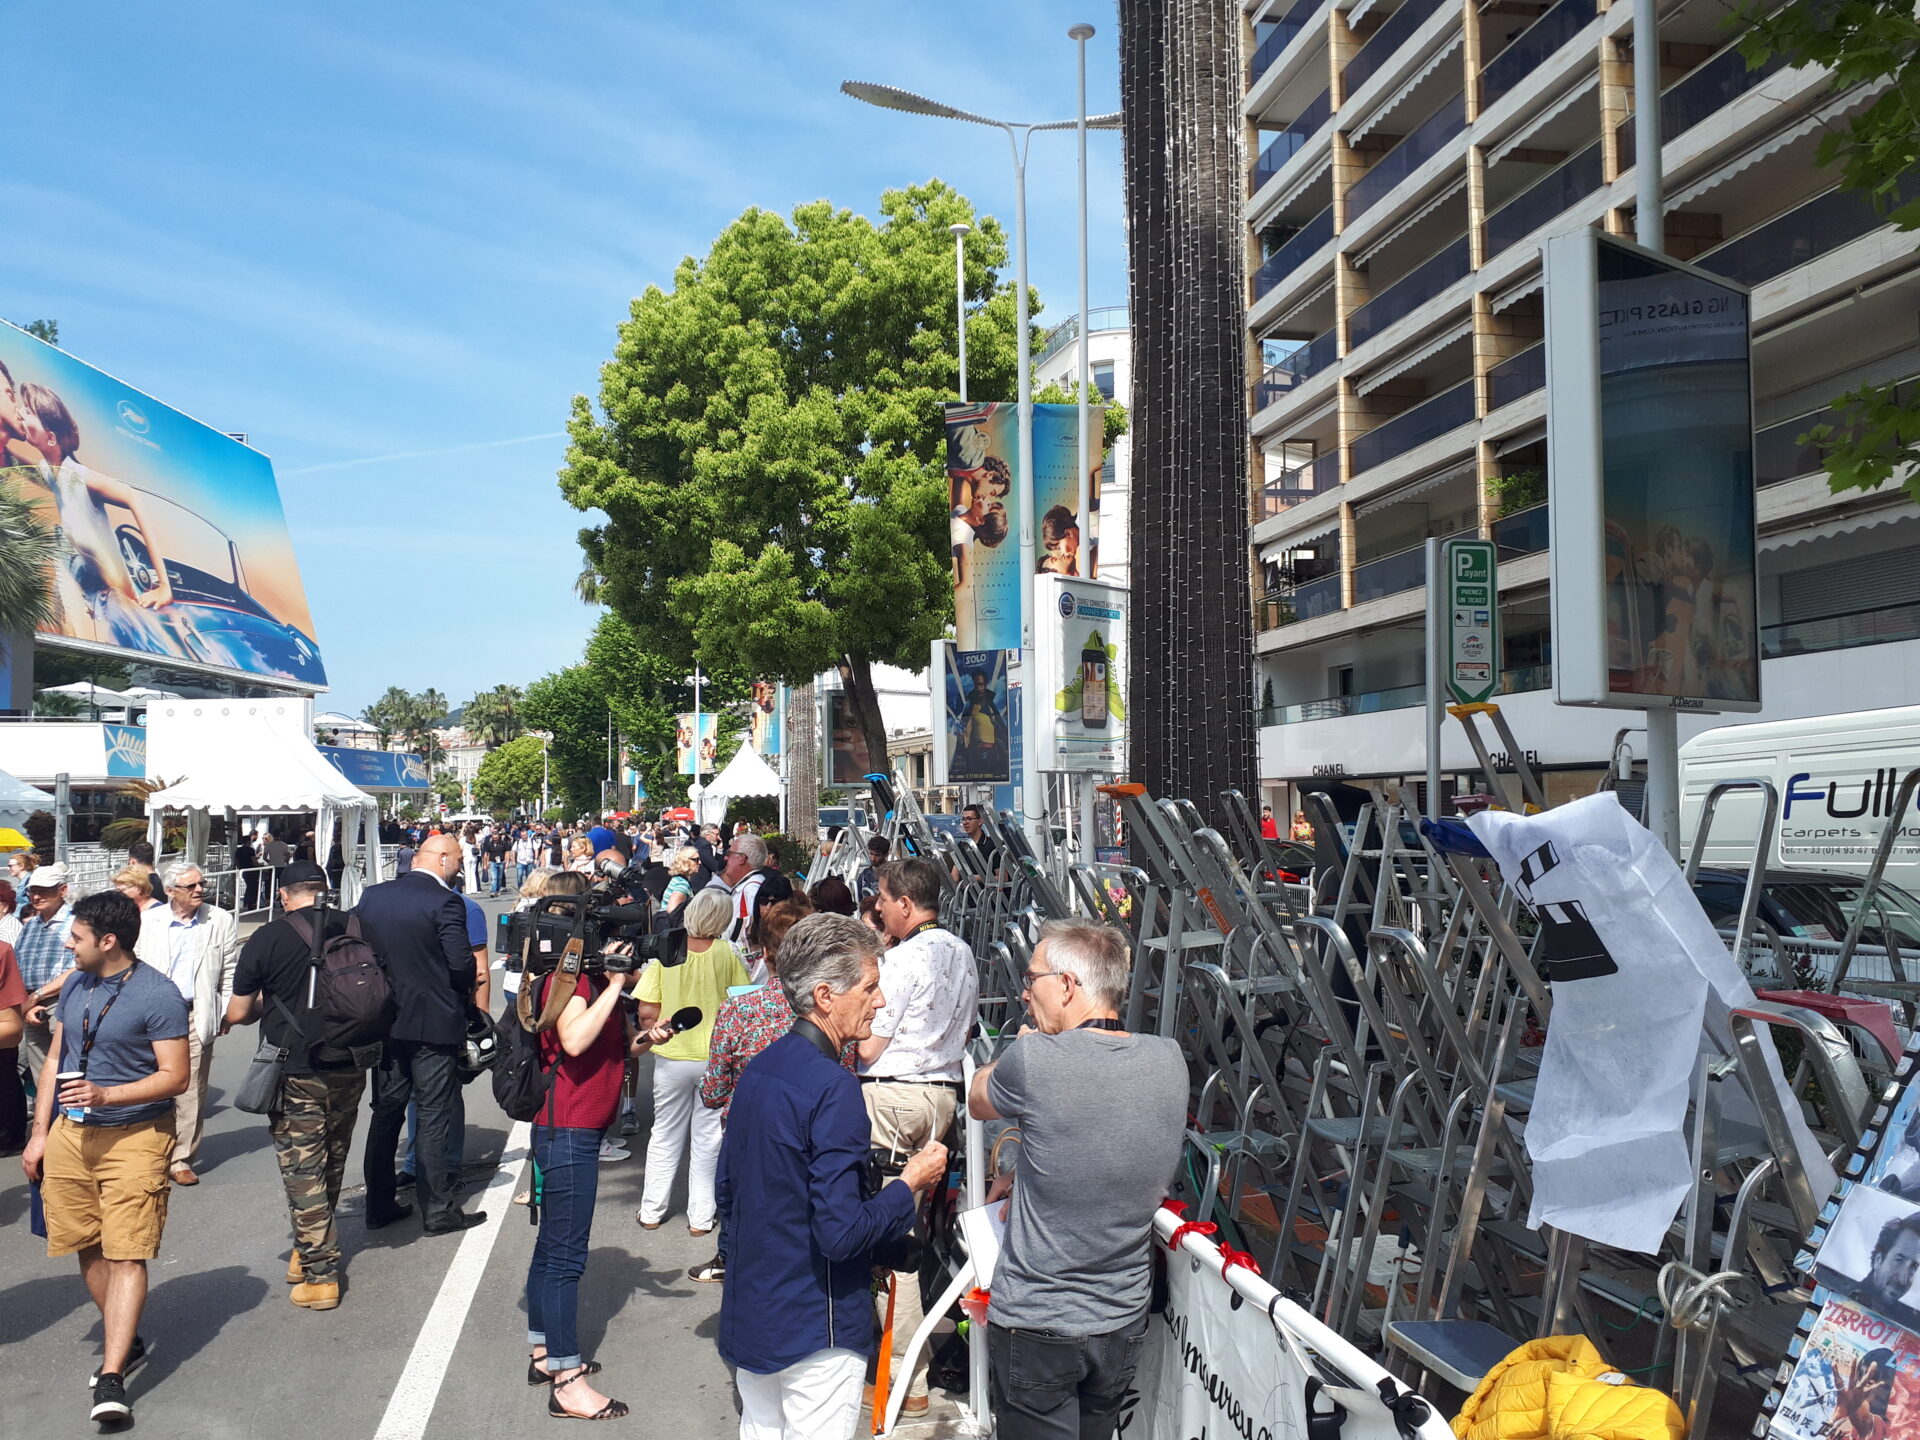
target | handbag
[{"x": 260, "y": 1089}]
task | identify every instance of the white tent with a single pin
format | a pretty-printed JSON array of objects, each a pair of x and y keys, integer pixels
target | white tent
[
  {"x": 254, "y": 756},
  {"x": 745, "y": 774},
  {"x": 18, "y": 800}
]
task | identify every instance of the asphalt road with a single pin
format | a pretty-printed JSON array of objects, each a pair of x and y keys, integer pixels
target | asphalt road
[{"x": 428, "y": 1339}]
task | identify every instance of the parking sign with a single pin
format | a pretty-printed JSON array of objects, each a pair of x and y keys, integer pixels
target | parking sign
[{"x": 1471, "y": 670}]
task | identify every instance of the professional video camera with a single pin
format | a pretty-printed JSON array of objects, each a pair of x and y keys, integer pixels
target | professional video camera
[{"x": 610, "y": 929}]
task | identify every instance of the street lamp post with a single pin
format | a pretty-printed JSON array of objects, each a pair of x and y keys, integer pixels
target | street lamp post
[
  {"x": 960, "y": 233},
  {"x": 1019, "y": 135},
  {"x": 1083, "y": 509},
  {"x": 697, "y": 681}
]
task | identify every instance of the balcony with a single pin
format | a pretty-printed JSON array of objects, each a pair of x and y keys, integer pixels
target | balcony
[
  {"x": 1409, "y": 292},
  {"x": 1408, "y": 156},
  {"x": 1532, "y": 47},
  {"x": 1285, "y": 375},
  {"x": 1400, "y": 697},
  {"x": 1305, "y": 601},
  {"x": 1522, "y": 533},
  {"x": 1712, "y": 86},
  {"x": 1104, "y": 317},
  {"x": 1303, "y": 482},
  {"x": 1778, "y": 455},
  {"x": 1805, "y": 233},
  {"x": 1428, "y": 420},
  {"x": 1843, "y": 631},
  {"x": 1390, "y": 575},
  {"x": 1299, "y": 248},
  {"x": 1380, "y": 45},
  {"x": 1550, "y": 195},
  {"x": 1281, "y": 36},
  {"x": 1274, "y": 156},
  {"x": 1517, "y": 376}
]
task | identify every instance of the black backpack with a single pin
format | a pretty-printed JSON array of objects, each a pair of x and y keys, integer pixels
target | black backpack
[
  {"x": 352, "y": 997},
  {"x": 521, "y": 1082}
]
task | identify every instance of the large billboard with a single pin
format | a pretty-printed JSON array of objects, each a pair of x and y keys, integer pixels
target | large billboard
[
  {"x": 173, "y": 545},
  {"x": 1079, "y": 637},
  {"x": 983, "y": 458},
  {"x": 1650, "y": 464}
]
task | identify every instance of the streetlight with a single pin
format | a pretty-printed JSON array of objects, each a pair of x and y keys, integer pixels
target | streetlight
[
  {"x": 696, "y": 680},
  {"x": 1019, "y": 136},
  {"x": 960, "y": 233},
  {"x": 1083, "y": 509}
]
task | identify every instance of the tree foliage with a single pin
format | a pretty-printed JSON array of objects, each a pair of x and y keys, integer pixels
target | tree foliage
[
  {"x": 27, "y": 549},
  {"x": 1876, "y": 433},
  {"x": 510, "y": 775},
  {"x": 493, "y": 716},
  {"x": 767, "y": 446},
  {"x": 410, "y": 718}
]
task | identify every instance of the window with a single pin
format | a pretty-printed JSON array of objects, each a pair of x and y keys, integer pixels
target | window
[{"x": 1103, "y": 378}]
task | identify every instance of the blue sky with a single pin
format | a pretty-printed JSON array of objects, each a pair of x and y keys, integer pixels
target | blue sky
[{"x": 389, "y": 242}]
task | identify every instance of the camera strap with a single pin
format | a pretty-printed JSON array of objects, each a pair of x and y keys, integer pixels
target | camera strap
[{"x": 817, "y": 1038}]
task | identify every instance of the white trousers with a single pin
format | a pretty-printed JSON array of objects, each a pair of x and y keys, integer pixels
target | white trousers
[
  {"x": 676, "y": 1112},
  {"x": 816, "y": 1399}
]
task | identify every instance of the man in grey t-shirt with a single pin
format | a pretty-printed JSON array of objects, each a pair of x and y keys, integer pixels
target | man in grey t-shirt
[{"x": 1102, "y": 1116}]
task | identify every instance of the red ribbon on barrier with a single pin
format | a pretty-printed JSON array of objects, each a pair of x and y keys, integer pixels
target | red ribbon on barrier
[
  {"x": 1230, "y": 1257},
  {"x": 1191, "y": 1227}
]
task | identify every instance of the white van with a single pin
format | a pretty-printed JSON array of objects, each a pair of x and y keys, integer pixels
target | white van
[{"x": 1837, "y": 776}]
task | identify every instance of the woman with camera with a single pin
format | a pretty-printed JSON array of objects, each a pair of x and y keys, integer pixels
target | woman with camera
[
  {"x": 679, "y": 1064},
  {"x": 586, "y": 1051}
]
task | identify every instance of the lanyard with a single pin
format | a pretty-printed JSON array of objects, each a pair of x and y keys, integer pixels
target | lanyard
[
  {"x": 1104, "y": 1022},
  {"x": 87, "y": 1032},
  {"x": 923, "y": 927}
]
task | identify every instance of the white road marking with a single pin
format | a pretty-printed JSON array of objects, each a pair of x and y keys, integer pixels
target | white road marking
[{"x": 411, "y": 1405}]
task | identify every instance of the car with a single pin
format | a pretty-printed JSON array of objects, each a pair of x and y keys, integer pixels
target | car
[{"x": 1809, "y": 911}]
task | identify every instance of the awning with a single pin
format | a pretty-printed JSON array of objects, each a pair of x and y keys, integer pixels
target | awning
[
  {"x": 1275, "y": 549},
  {"x": 1819, "y": 120},
  {"x": 1839, "y": 525},
  {"x": 1419, "y": 487},
  {"x": 1365, "y": 253},
  {"x": 1302, "y": 303},
  {"x": 1530, "y": 286},
  {"x": 1540, "y": 122},
  {"x": 1452, "y": 335},
  {"x": 1299, "y": 187},
  {"x": 1359, "y": 11},
  {"x": 1386, "y": 107},
  {"x": 1520, "y": 439}
]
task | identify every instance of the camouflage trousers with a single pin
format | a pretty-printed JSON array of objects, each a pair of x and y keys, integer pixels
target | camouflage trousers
[{"x": 311, "y": 1137}]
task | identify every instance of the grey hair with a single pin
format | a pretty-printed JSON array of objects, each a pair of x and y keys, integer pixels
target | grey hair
[
  {"x": 708, "y": 914},
  {"x": 179, "y": 870},
  {"x": 1095, "y": 955},
  {"x": 753, "y": 847},
  {"x": 824, "y": 949}
]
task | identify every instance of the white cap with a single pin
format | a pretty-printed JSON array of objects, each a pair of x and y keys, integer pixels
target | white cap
[{"x": 47, "y": 877}]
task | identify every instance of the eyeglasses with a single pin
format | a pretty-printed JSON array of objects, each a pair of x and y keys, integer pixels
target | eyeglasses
[
  {"x": 1030, "y": 979},
  {"x": 196, "y": 885}
]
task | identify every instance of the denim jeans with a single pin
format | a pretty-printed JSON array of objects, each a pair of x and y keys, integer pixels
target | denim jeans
[
  {"x": 569, "y": 1161},
  {"x": 409, "y": 1070},
  {"x": 521, "y": 870},
  {"x": 1060, "y": 1387},
  {"x": 496, "y": 875}
]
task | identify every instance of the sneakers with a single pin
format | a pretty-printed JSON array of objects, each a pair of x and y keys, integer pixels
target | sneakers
[
  {"x": 709, "y": 1271},
  {"x": 630, "y": 1123},
  {"x": 612, "y": 1151},
  {"x": 110, "y": 1405},
  {"x": 308, "y": 1296},
  {"x": 136, "y": 1361}
]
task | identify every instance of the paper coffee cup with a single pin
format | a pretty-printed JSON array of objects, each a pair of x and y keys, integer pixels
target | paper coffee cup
[{"x": 72, "y": 1112}]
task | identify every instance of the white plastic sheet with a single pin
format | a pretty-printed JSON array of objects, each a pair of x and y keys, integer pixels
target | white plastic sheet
[{"x": 1640, "y": 983}]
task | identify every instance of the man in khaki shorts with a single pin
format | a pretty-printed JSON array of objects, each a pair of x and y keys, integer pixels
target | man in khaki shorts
[{"x": 103, "y": 1127}]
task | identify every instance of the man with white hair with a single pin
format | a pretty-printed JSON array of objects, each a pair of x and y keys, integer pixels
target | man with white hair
[
  {"x": 196, "y": 946},
  {"x": 45, "y": 963},
  {"x": 1102, "y": 1116}
]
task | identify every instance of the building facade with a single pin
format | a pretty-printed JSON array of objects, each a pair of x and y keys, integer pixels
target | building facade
[
  {"x": 1409, "y": 161},
  {"x": 1110, "y": 367}
]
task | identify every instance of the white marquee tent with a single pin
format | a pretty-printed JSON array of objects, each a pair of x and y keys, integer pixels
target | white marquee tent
[
  {"x": 255, "y": 757},
  {"x": 746, "y": 774},
  {"x": 18, "y": 800}
]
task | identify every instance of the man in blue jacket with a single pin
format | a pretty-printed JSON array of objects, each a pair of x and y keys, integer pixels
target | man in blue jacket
[{"x": 797, "y": 1317}]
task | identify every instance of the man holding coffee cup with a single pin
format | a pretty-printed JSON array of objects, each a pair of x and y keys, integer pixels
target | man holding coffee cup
[{"x": 119, "y": 1056}]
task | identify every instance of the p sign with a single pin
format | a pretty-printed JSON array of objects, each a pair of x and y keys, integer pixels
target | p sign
[{"x": 1471, "y": 613}]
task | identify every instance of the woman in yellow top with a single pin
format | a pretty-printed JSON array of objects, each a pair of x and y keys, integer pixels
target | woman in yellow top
[{"x": 711, "y": 966}]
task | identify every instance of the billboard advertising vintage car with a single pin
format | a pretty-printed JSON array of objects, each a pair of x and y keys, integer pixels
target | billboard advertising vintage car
[{"x": 172, "y": 542}]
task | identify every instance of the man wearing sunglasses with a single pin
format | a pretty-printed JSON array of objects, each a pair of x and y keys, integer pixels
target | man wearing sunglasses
[{"x": 196, "y": 945}]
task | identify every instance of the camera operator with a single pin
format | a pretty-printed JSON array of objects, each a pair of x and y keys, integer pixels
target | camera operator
[
  {"x": 1102, "y": 1114},
  {"x": 586, "y": 1052},
  {"x": 796, "y": 1318}
]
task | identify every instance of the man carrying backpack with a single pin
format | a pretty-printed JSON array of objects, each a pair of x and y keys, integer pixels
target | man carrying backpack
[{"x": 320, "y": 1096}]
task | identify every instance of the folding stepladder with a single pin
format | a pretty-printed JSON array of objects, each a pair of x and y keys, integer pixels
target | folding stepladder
[{"x": 1531, "y": 791}]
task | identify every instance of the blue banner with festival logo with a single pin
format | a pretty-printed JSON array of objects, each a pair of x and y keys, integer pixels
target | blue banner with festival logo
[{"x": 377, "y": 769}]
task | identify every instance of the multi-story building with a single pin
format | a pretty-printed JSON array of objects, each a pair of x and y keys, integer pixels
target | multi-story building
[
  {"x": 1411, "y": 159},
  {"x": 1109, "y": 367}
]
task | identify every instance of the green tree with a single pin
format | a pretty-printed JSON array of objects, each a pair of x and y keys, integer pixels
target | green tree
[
  {"x": 388, "y": 715},
  {"x": 448, "y": 790},
  {"x": 1876, "y": 433},
  {"x": 493, "y": 716},
  {"x": 510, "y": 775},
  {"x": 768, "y": 445}
]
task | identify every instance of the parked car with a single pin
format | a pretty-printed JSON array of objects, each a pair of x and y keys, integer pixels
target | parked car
[{"x": 1809, "y": 911}]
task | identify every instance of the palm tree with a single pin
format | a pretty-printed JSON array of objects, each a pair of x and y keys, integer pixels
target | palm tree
[
  {"x": 493, "y": 716},
  {"x": 587, "y": 584},
  {"x": 27, "y": 550}
]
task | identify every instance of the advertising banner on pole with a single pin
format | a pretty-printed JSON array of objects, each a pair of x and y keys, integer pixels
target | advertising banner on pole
[
  {"x": 1650, "y": 460},
  {"x": 173, "y": 545},
  {"x": 972, "y": 742},
  {"x": 848, "y": 762},
  {"x": 768, "y": 717},
  {"x": 684, "y": 741},
  {"x": 983, "y": 450},
  {"x": 1079, "y": 634},
  {"x": 1471, "y": 615}
]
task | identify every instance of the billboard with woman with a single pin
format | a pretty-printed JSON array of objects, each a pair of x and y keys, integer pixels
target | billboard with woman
[{"x": 172, "y": 542}]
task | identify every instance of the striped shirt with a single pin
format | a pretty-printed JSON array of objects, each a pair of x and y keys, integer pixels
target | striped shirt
[{"x": 42, "y": 948}]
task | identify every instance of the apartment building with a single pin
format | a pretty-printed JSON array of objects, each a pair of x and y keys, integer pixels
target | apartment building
[
  {"x": 1110, "y": 368},
  {"x": 1410, "y": 160}
]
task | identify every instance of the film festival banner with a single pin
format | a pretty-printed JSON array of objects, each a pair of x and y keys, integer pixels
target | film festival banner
[
  {"x": 173, "y": 544},
  {"x": 976, "y": 718},
  {"x": 983, "y": 457},
  {"x": 684, "y": 741},
  {"x": 768, "y": 718}
]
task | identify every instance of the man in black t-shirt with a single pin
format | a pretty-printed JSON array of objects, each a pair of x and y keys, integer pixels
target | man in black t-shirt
[{"x": 319, "y": 1100}]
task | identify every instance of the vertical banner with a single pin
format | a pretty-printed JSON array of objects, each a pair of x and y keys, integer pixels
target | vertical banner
[
  {"x": 1650, "y": 453},
  {"x": 1079, "y": 636},
  {"x": 983, "y": 450},
  {"x": 684, "y": 741},
  {"x": 848, "y": 762},
  {"x": 976, "y": 718},
  {"x": 768, "y": 718}
]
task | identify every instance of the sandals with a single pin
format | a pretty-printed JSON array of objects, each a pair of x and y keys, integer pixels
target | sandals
[
  {"x": 612, "y": 1410},
  {"x": 538, "y": 1374}
]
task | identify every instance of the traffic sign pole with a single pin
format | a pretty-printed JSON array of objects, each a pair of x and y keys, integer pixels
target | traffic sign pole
[{"x": 1463, "y": 638}]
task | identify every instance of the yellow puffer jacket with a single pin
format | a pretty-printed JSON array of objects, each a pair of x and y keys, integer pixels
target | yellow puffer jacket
[{"x": 1551, "y": 1390}]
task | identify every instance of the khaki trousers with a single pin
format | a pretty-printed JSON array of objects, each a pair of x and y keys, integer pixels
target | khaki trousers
[
  {"x": 188, "y": 1104},
  {"x": 905, "y": 1116}
]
